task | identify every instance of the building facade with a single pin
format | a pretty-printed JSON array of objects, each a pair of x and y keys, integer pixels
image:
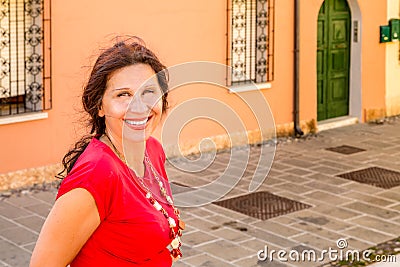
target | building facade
[{"x": 335, "y": 64}]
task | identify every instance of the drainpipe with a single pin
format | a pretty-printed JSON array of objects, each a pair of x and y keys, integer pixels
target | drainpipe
[{"x": 296, "y": 121}]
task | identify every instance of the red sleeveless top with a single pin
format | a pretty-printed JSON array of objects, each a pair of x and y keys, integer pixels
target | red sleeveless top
[{"x": 131, "y": 232}]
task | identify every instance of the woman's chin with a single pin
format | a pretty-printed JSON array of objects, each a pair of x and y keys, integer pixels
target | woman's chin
[{"x": 136, "y": 137}]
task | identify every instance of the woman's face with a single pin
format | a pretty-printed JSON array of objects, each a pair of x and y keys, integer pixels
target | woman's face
[{"x": 132, "y": 103}]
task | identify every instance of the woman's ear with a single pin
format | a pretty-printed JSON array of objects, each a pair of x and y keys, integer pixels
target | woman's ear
[{"x": 101, "y": 111}]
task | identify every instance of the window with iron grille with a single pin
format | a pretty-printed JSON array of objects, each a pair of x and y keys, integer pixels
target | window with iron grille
[
  {"x": 250, "y": 41},
  {"x": 25, "y": 68}
]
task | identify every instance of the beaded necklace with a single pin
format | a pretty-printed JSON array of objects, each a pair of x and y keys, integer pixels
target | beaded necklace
[{"x": 175, "y": 236}]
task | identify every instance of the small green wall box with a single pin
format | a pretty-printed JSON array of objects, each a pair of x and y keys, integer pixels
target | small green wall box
[
  {"x": 385, "y": 36},
  {"x": 395, "y": 28}
]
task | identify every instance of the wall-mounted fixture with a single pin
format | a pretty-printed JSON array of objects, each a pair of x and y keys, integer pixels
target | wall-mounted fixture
[
  {"x": 355, "y": 31},
  {"x": 391, "y": 32},
  {"x": 385, "y": 36},
  {"x": 395, "y": 28}
]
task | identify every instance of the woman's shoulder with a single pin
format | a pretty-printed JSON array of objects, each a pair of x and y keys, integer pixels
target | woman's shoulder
[
  {"x": 97, "y": 153},
  {"x": 96, "y": 164},
  {"x": 97, "y": 160},
  {"x": 155, "y": 149},
  {"x": 97, "y": 171},
  {"x": 152, "y": 142}
]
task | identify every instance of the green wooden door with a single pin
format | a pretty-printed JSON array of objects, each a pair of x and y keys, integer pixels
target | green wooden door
[{"x": 333, "y": 59}]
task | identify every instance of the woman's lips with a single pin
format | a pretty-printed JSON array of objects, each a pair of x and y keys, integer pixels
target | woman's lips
[{"x": 137, "y": 124}]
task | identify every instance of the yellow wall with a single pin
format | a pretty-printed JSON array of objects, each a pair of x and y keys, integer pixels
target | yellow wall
[{"x": 393, "y": 65}]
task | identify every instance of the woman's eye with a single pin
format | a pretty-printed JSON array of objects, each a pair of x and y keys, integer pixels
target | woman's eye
[
  {"x": 124, "y": 94},
  {"x": 148, "y": 91}
]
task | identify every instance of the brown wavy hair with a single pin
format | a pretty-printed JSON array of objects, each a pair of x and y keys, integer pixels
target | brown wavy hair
[{"x": 122, "y": 54}]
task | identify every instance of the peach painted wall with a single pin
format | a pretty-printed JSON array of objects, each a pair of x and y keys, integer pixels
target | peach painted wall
[
  {"x": 373, "y": 55},
  {"x": 178, "y": 32},
  {"x": 308, "y": 58},
  {"x": 280, "y": 95}
]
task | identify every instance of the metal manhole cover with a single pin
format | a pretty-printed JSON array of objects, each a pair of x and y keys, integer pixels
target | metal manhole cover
[
  {"x": 375, "y": 176},
  {"x": 262, "y": 205},
  {"x": 346, "y": 150}
]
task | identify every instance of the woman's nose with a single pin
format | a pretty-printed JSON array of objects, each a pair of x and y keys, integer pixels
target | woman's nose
[{"x": 137, "y": 105}]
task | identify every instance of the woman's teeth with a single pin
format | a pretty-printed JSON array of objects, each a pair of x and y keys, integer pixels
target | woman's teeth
[{"x": 131, "y": 122}]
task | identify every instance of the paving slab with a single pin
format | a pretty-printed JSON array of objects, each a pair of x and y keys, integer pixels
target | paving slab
[
  {"x": 302, "y": 170},
  {"x": 372, "y": 210}
]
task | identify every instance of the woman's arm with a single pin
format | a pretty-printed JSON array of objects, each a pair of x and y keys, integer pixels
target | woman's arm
[{"x": 72, "y": 220}]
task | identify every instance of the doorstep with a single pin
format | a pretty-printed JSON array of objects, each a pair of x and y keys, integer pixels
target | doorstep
[{"x": 336, "y": 123}]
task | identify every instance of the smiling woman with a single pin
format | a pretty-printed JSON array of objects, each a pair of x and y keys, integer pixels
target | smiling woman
[
  {"x": 131, "y": 101},
  {"x": 114, "y": 206}
]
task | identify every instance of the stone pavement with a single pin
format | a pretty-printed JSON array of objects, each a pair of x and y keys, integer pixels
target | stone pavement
[
  {"x": 303, "y": 170},
  {"x": 384, "y": 264}
]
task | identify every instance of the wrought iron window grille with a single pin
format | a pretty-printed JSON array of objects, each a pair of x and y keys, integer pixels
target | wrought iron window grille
[
  {"x": 250, "y": 50},
  {"x": 25, "y": 56}
]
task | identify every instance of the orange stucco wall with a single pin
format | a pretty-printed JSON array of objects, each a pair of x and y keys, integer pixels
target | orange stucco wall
[
  {"x": 178, "y": 31},
  {"x": 280, "y": 96},
  {"x": 373, "y": 55}
]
